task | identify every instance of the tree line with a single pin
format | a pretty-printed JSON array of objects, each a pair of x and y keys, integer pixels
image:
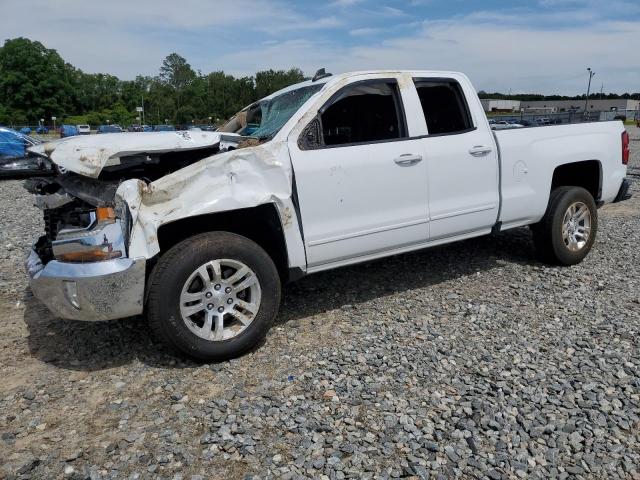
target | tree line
[{"x": 36, "y": 83}]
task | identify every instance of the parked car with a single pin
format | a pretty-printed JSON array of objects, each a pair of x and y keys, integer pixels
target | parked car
[
  {"x": 164, "y": 128},
  {"x": 203, "y": 127},
  {"x": 25, "y": 130},
  {"x": 42, "y": 130},
  {"x": 109, "y": 129},
  {"x": 543, "y": 121},
  {"x": 68, "y": 131},
  {"x": 505, "y": 125},
  {"x": 200, "y": 231},
  {"x": 147, "y": 128},
  {"x": 83, "y": 129},
  {"x": 16, "y": 161}
]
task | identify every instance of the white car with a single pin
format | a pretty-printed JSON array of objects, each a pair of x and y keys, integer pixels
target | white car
[
  {"x": 83, "y": 129},
  {"x": 505, "y": 125},
  {"x": 198, "y": 230}
]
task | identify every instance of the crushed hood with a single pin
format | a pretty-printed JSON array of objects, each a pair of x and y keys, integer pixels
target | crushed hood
[{"x": 89, "y": 154}]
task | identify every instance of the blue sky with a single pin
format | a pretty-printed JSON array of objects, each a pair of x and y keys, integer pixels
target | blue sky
[{"x": 523, "y": 46}]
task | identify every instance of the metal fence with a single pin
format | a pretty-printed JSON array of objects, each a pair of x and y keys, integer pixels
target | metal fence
[{"x": 545, "y": 118}]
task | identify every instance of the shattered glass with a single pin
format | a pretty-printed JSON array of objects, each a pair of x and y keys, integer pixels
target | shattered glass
[{"x": 278, "y": 110}]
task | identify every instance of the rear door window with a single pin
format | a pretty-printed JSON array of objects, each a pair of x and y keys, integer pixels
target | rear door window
[{"x": 444, "y": 106}]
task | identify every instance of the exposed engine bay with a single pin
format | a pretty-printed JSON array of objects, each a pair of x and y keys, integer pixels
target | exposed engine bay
[
  {"x": 115, "y": 191},
  {"x": 70, "y": 200}
]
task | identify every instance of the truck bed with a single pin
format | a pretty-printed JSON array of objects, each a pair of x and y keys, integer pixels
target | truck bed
[{"x": 529, "y": 157}]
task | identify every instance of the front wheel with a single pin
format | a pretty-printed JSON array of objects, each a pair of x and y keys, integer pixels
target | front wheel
[
  {"x": 568, "y": 229},
  {"x": 213, "y": 296}
]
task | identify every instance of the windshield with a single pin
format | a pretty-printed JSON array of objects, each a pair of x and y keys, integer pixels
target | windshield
[{"x": 265, "y": 118}]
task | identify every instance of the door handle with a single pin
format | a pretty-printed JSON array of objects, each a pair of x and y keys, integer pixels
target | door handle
[
  {"x": 479, "y": 150},
  {"x": 408, "y": 159}
]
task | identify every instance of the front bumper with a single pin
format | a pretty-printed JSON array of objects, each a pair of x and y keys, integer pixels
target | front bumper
[
  {"x": 91, "y": 291},
  {"x": 623, "y": 193}
]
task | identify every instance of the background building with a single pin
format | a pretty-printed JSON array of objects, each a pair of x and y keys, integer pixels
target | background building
[
  {"x": 499, "y": 105},
  {"x": 595, "y": 105}
]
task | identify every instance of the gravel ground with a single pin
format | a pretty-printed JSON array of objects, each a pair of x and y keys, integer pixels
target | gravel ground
[{"x": 471, "y": 361}]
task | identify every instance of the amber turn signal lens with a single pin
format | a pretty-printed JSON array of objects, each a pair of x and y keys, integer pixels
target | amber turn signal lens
[
  {"x": 95, "y": 255},
  {"x": 105, "y": 214}
]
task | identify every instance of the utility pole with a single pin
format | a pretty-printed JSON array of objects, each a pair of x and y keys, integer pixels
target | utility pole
[
  {"x": 586, "y": 101},
  {"x": 601, "y": 89},
  {"x": 142, "y": 109}
]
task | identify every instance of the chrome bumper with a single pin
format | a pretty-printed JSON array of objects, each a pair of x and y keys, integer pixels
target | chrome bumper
[{"x": 89, "y": 291}]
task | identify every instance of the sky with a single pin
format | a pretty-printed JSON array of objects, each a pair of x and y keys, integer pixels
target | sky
[{"x": 541, "y": 46}]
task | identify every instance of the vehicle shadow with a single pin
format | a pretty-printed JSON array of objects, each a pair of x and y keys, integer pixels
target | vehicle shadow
[{"x": 87, "y": 346}]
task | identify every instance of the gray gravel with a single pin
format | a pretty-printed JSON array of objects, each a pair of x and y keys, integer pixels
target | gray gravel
[{"x": 470, "y": 360}]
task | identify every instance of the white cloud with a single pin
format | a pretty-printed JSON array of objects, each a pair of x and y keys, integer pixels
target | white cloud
[
  {"x": 500, "y": 57},
  {"x": 345, "y": 3},
  {"x": 495, "y": 56},
  {"x": 366, "y": 31},
  {"x": 545, "y": 51},
  {"x": 126, "y": 38},
  {"x": 396, "y": 12}
]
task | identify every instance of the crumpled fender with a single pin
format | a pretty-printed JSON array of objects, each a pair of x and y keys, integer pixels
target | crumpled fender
[{"x": 242, "y": 178}]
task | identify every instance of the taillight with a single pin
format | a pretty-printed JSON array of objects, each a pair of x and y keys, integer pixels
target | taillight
[{"x": 625, "y": 148}]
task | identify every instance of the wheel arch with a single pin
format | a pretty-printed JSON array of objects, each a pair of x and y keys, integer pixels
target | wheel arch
[
  {"x": 586, "y": 174},
  {"x": 261, "y": 224}
]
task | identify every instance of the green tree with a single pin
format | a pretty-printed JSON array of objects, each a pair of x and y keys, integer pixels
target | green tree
[
  {"x": 133, "y": 93},
  {"x": 34, "y": 80},
  {"x": 35, "y": 83},
  {"x": 177, "y": 74},
  {"x": 269, "y": 81}
]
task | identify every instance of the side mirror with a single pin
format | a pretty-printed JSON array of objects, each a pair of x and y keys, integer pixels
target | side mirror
[{"x": 311, "y": 137}]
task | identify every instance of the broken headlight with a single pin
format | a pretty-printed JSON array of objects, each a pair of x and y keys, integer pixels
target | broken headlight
[{"x": 102, "y": 240}]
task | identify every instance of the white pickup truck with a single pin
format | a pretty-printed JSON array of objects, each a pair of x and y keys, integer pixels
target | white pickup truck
[{"x": 199, "y": 230}]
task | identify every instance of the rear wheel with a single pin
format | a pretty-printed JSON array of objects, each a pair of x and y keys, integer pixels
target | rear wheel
[
  {"x": 568, "y": 229},
  {"x": 213, "y": 296}
]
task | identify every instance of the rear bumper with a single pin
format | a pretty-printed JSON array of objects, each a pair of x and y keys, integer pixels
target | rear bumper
[
  {"x": 89, "y": 291},
  {"x": 623, "y": 193}
]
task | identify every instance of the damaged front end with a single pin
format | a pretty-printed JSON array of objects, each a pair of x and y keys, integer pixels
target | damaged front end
[
  {"x": 82, "y": 221},
  {"x": 82, "y": 213},
  {"x": 104, "y": 214},
  {"x": 80, "y": 267}
]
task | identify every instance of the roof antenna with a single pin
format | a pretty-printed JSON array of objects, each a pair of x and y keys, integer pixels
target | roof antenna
[{"x": 320, "y": 74}]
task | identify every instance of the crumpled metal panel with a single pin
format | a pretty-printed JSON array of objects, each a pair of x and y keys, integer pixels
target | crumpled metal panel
[
  {"x": 89, "y": 154},
  {"x": 241, "y": 178}
]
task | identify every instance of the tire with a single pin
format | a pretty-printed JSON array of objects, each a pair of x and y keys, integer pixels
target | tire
[
  {"x": 220, "y": 256},
  {"x": 557, "y": 246}
]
